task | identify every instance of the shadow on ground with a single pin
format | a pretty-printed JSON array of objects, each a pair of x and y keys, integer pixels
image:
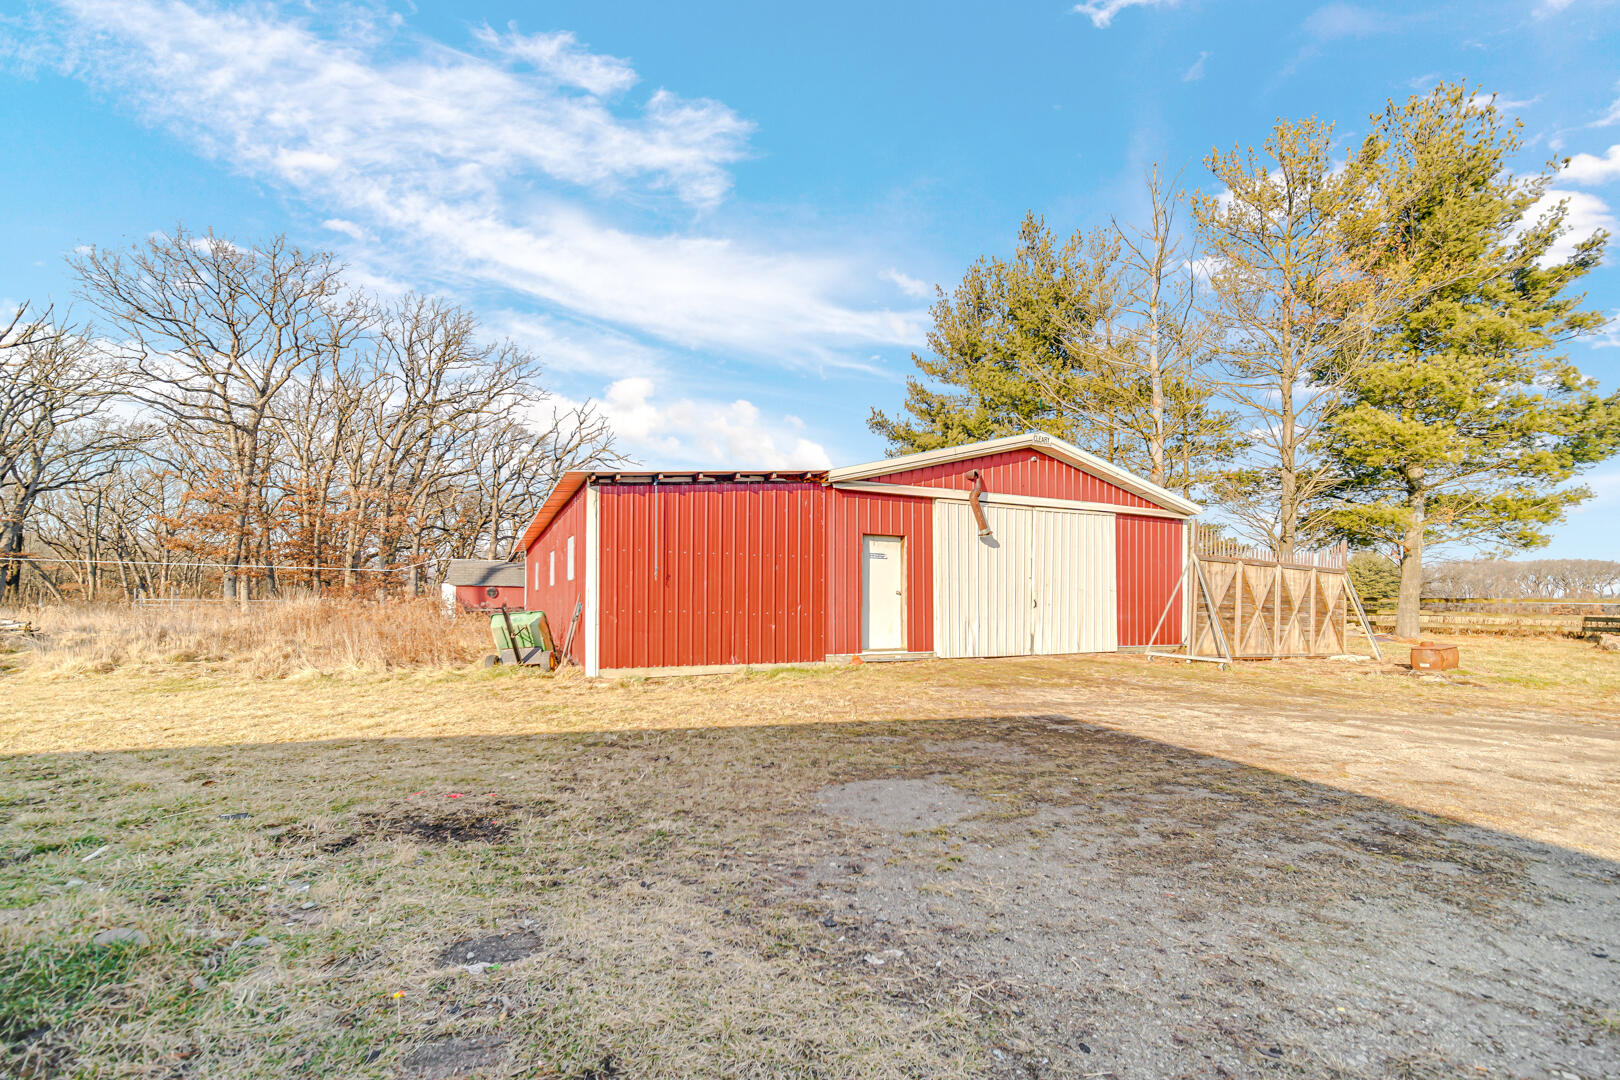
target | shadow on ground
[{"x": 1023, "y": 897}]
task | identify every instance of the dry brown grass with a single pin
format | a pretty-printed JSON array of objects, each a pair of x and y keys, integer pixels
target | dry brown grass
[
  {"x": 263, "y": 640},
  {"x": 660, "y": 838}
]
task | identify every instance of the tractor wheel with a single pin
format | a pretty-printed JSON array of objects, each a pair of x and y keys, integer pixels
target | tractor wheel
[{"x": 492, "y": 660}]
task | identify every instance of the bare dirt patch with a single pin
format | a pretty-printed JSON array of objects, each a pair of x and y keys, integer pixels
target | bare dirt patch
[
  {"x": 428, "y": 819},
  {"x": 1160, "y": 914},
  {"x": 986, "y": 749},
  {"x": 450, "y": 1059},
  {"x": 486, "y": 819},
  {"x": 493, "y": 949},
  {"x": 898, "y": 804}
]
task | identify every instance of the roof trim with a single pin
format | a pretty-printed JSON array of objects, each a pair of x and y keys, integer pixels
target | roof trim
[
  {"x": 1030, "y": 440},
  {"x": 570, "y": 482},
  {"x": 557, "y": 498}
]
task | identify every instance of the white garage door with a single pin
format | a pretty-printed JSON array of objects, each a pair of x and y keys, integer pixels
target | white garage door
[{"x": 1043, "y": 582}]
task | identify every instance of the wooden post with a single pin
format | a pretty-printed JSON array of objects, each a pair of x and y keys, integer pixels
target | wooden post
[
  {"x": 1153, "y": 638},
  {"x": 1276, "y": 610},
  {"x": 1366, "y": 628},
  {"x": 1237, "y": 604},
  {"x": 1314, "y": 626},
  {"x": 1216, "y": 629}
]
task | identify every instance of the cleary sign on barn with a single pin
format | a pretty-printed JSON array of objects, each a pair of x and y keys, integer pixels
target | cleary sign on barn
[{"x": 1009, "y": 547}]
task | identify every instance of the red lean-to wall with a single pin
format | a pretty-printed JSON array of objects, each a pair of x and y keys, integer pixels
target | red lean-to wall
[
  {"x": 1148, "y": 552},
  {"x": 712, "y": 573},
  {"x": 558, "y": 600},
  {"x": 477, "y": 597},
  {"x": 857, "y": 514},
  {"x": 1019, "y": 472}
]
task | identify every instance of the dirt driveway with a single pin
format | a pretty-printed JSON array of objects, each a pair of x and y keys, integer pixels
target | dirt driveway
[
  {"x": 1135, "y": 910},
  {"x": 1030, "y": 869}
]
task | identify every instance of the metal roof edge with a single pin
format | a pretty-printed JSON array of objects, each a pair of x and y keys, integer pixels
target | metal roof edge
[
  {"x": 557, "y": 498},
  {"x": 1048, "y": 444}
]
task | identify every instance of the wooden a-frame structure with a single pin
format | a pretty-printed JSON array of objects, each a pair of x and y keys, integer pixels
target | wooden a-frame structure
[{"x": 1247, "y": 604}]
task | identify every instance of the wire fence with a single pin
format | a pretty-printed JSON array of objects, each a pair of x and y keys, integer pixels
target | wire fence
[{"x": 35, "y": 577}]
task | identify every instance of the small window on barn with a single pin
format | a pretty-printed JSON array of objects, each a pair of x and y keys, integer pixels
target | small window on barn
[
  {"x": 492, "y": 592},
  {"x": 570, "y": 558},
  {"x": 553, "y": 568}
]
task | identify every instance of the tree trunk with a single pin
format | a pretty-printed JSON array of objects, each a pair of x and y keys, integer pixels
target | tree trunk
[
  {"x": 1288, "y": 473},
  {"x": 11, "y": 569},
  {"x": 1411, "y": 594},
  {"x": 1155, "y": 383}
]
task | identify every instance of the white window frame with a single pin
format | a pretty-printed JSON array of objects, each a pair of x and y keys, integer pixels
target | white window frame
[
  {"x": 570, "y": 558},
  {"x": 553, "y": 561}
]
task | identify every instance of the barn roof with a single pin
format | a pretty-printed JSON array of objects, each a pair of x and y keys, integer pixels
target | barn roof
[
  {"x": 1030, "y": 440},
  {"x": 484, "y": 572},
  {"x": 570, "y": 482}
]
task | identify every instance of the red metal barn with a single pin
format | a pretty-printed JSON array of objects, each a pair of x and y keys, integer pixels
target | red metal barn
[
  {"x": 484, "y": 584},
  {"x": 886, "y": 560}
]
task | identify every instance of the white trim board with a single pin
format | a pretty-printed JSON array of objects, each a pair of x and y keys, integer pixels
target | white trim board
[
  {"x": 593, "y": 579},
  {"x": 1034, "y": 440},
  {"x": 999, "y": 499}
]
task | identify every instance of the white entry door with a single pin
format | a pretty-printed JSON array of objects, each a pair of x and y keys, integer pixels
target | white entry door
[
  {"x": 1041, "y": 583},
  {"x": 883, "y": 594}
]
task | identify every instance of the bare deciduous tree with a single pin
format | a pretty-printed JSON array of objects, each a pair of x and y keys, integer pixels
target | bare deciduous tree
[
  {"x": 1295, "y": 312},
  {"x": 215, "y": 332},
  {"x": 1563, "y": 579},
  {"x": 54, "y": 387},
  {"x": 288, "y": 433}
]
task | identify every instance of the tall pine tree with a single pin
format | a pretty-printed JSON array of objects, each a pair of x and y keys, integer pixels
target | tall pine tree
[
  {"x": 1467, "y": 421},
  {"x": 1005, "y": 339},
  {"x": 1051, "y": 340}
]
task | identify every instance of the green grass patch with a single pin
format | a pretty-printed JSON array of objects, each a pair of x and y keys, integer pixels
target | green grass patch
[{"x": 48, "y": 983}]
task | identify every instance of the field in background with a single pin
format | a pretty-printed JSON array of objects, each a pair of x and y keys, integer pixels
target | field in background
[
  {"x": 271, "y": 639},
  {"x": 338, "y": 862},
  {"x": 1485, "y": 615}
]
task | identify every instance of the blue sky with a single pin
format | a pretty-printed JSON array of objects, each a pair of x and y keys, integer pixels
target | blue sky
[{"x": 724, "y": 221}]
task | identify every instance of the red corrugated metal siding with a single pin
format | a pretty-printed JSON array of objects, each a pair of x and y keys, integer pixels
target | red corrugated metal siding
[
  {"x": 726, "y": 573},
  {"x": 476, "y": 596},
  {"x": 557, "y": 601},
  {"x": 854, "y": 515},
  {"x": 1019, "y": 472},
  {"x": 1147, "y": 553}
]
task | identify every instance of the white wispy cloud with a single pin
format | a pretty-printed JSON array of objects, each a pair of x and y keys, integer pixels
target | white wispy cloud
[
  {"x": 1102, "y": 12},
  {"x": 267, "y": 91},
  {"x": 1592, "y": 169},
  {"x": 681, "y": 432},
  {"x": 1343, "y": 20},
  {"x": 485, "y": 163},
  {"x": 1196, "y": 71},
  {"x": 905, "y": 282},
  {"x": 561, "y": 56},
  {"x": 1504, "y": 104},
  {"x": 1610, "y": 116},
  {"x": 1585, "y": 214},
  {"x": 1336, "y": 21},
  {"x": 578, "y": 348},
  {"x": 1550, "y": 7},
  {"x": 1610, "y": 337},
  {"x": 347, "y": 228}
]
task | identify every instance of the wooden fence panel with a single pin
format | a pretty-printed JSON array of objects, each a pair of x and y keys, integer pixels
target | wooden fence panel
[{"x": 1268, "y": 609}]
